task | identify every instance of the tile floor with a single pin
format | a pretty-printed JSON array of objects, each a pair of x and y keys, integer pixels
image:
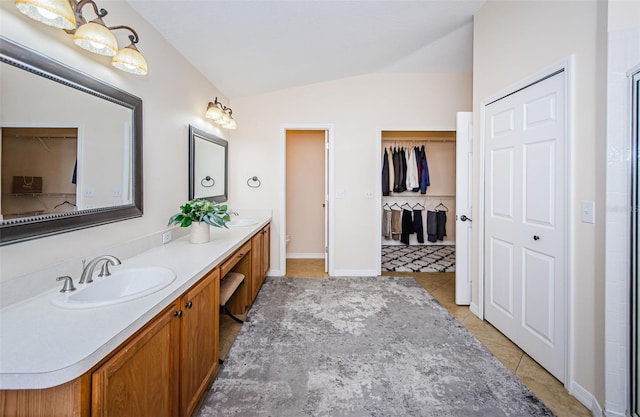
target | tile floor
[{"x": 441, "y": 286}]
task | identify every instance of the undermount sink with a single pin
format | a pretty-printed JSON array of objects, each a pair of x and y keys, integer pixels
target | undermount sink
[
  {"x": 120, "y": 286},
  {"x": 241, "y": 222}
]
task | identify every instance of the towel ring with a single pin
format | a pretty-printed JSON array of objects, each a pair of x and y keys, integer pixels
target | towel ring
[
  {"x": 206, "y": 180},
  {"x": 254, "y": 179}
]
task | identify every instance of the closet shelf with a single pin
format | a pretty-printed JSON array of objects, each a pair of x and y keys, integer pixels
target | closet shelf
[{"x": 412, "y": 194}]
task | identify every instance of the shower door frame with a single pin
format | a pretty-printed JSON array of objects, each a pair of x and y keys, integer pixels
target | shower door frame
[{"x": 635, "y": 242}]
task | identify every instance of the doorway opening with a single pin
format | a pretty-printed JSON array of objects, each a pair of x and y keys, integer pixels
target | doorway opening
[{"x": 306, "y": 216}]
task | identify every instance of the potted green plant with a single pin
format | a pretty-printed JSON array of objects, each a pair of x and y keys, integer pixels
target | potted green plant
[{"x": 200, "y": 214}]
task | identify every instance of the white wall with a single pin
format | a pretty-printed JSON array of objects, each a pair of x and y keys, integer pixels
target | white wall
[
  {"x": 174, "y": 95},
  {"x": 358, "y": 107},
  {"x": 512, "y": 41}
]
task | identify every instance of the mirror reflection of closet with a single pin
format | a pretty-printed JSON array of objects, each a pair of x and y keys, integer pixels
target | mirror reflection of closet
[{"x": 38, "y": 171}]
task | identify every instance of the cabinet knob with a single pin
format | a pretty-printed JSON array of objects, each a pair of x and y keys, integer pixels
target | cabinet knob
[
  {"x": 177, "y": 313},
  {"x": 536, "y": 237},
  {"x": 264, "y": 232},
  {"x": 240, "y": 255},
  {"x": 188, "y": 304}
]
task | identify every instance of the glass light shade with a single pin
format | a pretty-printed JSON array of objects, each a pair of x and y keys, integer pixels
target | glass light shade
[
  {"x": 97, "y": 38},
  {"x": 130, "y": 60},
  {"x": 56, "y": 13},
  {"x": 224, "y": 120},
  {"x": 232, "y": 125},
  {"x": 213, "y": 112}
]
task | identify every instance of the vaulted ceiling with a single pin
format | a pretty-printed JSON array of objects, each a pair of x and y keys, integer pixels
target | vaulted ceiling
[{"x": 251, "y": 47}]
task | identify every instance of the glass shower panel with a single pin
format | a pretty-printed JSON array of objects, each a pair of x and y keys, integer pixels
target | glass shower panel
[{"x": 635, "y": 276}]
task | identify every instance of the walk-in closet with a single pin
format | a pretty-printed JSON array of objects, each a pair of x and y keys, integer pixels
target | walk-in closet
[{"x": 418, "y": 201}]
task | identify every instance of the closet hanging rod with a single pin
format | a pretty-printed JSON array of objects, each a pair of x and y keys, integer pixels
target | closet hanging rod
[{"x": 47, "y": 137}]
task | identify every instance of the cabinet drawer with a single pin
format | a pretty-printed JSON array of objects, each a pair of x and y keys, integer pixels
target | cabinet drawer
[{"x": 234, "y": 259}]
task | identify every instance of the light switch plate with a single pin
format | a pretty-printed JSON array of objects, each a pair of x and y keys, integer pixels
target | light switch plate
[{"x": 588, "y": 211}]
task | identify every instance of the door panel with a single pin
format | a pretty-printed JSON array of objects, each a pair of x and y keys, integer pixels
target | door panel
[
  {"x": 501, "y": 277},
  {"x": 525, "y": 231},
  {"x": 502, "y": 166},
  {"x": 539, "y": 184},
  {"x": 538, "y": 285},
  {"x": 540, "y": 111}
]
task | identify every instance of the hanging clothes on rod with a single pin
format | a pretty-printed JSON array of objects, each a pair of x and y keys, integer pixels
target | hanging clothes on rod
[
  {"x": 431, "y": 226},
  {"x": 425, "y": 181},
  {"x": 396, "y": 221},
  {"x": 417, "y": 222},
  {"x": 385, "y": 174},
  {"x": 407, "y": 226},
  {"x": 441, "y": 221},
  {"x": 413, "y": 183},
  {"x": 386, "y": 221}
]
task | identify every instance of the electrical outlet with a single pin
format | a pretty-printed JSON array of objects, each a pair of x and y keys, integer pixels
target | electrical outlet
[
  {"x": 166, "y": 237},
  {"x": 340, "y": 193},
  {"x": 116, "y": 192},
  {"x": 368, "y": 194},
  {"x": 88, "y": 192}
]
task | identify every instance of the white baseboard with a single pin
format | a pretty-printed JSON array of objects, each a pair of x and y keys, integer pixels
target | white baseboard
[
  {"x": 275, "y": 273},
  {"x": 355, "y": 273},
  {"x": 305, "y": 255},
  {"x": 586, "y": 398},
  {"x": 614, "y": 414},
  {"x": 473, "y": 307}
]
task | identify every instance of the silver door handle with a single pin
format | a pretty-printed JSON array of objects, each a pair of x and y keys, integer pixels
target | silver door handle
[{"x": 464, "y": 218}]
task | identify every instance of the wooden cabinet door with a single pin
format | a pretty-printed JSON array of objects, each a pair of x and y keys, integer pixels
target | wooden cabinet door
[
  {"x": 266, "y": 250},
  {"x": 256, "y": 265},
  {"x": 199, "y": 347},
  {"x": 141, "y": 379}
]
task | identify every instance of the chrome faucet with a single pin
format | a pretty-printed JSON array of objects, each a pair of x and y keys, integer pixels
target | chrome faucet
[
  {"x": 87, "y": 271},
  {"x": 232, "y": 212}
]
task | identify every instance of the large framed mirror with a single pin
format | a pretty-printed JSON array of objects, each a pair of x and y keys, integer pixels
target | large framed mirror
[
  {"x": 207, "y": 166},
  {"x": 71, "y": 148}
]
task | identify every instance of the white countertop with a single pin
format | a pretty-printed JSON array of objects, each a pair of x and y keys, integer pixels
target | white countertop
[{"x": 42, "y": 345}]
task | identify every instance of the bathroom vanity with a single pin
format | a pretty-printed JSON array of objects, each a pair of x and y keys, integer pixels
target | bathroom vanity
[{"x": 155, "y": 356}]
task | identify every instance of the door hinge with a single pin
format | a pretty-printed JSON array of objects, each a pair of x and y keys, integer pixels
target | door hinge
[{"x": 326, "y": 249}]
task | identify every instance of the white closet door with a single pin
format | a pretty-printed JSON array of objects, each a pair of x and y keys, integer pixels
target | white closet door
[{"x": 525, "y": 231}]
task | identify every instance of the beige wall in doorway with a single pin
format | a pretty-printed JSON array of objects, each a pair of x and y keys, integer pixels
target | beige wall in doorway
[{"x": 305, "y": 193}]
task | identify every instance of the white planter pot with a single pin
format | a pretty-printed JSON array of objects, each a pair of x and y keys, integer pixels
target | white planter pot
[{"x": 199, "y": 232}]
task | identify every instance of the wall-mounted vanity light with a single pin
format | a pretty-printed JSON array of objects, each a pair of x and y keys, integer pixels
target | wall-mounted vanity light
[
  {"x": 220, "y": 115},
  {"x": 94, "y": 36}
]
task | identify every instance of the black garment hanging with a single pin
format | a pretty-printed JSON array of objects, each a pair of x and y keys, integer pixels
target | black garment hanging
[
  {"x": 397, "y": 170},
  {"x": 385, "y": 174},
  {"x": 403, "y": 173},
  {"x": 407, "y": 226},
  {"x": 441, "y": 221},
  {"x": 441, "y": 224},
  {"x": 431, "y": 226},
  {"x": 417, "y": 225}
]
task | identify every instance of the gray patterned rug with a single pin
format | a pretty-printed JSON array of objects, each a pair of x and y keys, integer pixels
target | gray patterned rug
[
  {"x": 360, "y": 347},
  {"x": 416, "y": 258}
]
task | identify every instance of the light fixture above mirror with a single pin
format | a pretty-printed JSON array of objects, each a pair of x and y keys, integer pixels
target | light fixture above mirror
[
  {"x": 94, "y": 36},
  {"x": 220, "y": 115}
]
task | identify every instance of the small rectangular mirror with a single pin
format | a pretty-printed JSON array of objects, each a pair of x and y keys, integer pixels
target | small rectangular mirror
[{"x": 207, "y": 166}]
